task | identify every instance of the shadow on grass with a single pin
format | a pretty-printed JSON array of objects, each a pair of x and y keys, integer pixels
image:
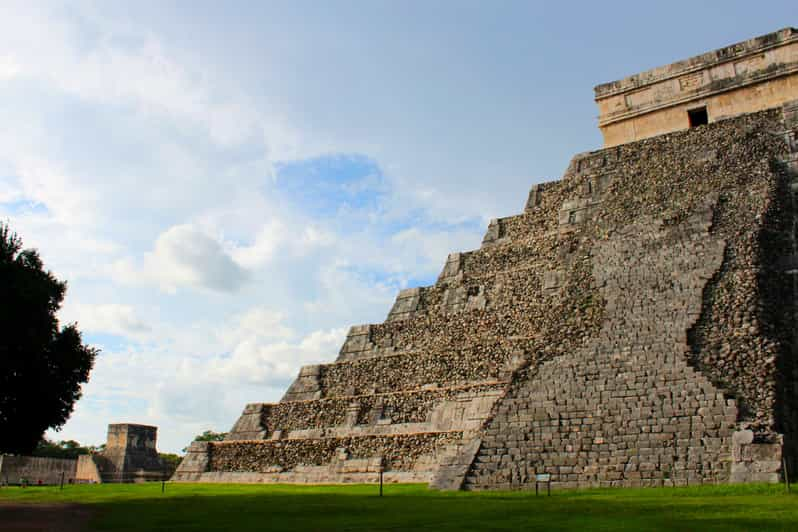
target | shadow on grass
[
  {"x": 423, "y": 510},
  {"x": 193, "y": 507}
]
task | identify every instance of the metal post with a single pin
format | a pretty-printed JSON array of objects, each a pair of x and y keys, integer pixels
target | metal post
[
  {"x": 786, "y": 474},
  {"x": 381, "y": 469},
  {"x": 548, "y": 488},
  {"x": 163, "y": 485},
  {"x": 62, "y": 480},
  {"x": 536, "y": 488}
]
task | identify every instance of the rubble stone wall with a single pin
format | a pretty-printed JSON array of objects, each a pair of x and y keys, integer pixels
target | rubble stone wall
[
  {"x": 411, "y": 372},
  {"x": 404, "y": 458},
  {"x": 386, "y": 408},
  {"x": 399, "y": 453}
]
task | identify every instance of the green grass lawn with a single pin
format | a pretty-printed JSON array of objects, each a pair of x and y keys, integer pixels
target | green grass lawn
[{"x": 190, "y": 507}]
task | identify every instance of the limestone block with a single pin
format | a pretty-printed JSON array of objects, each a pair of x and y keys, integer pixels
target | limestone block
[
  {"x": 454, "y": 299},
  {"x": 494, "y": 232},
  {"x": 552, "y": 281},
  {"x": 790, "y": 111},
  {"x": 476, "y": 298},
  {"x": 534, "y": 198},
  {"x": 358, "y": 340},
  {"x": 306, "y": 386},
  {"x": 453, "y": 472},
  {"x": 87, "y": 470},
  {"x": 194, "y": 463},
  {"x": 250, "y": 425},
  {"x": 452, "y": 268},
  {"x": 407, "y": 303}
]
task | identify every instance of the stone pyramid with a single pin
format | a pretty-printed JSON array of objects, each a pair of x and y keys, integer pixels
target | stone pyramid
[{"x": 633, "y": 326}]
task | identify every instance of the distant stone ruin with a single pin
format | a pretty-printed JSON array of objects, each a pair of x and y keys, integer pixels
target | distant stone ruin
[
  {"x": 634, "y": 326},
  {"x": 130, "y": 455},
  {"x": 36, "y": 470}
]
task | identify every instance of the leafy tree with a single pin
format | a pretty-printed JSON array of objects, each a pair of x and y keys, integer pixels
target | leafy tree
[
  {"x": 42, "y": 366},
  {"x": 61, "y": 449},
  {"x": 170, "y": 462},
  {"x": 209, "y": 435},
  {"x": 97, "y": 448}
]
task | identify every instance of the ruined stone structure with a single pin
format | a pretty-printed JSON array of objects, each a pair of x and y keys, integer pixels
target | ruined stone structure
[
  {"x": 36, "y": 470},
  {"x": 746, "y": 77},
  {"x": 633, "y": 326},
  {"x": 130, "y": 455}
]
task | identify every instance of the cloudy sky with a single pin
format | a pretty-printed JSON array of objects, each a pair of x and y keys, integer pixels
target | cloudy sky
[{"x": 227, "y": 187}]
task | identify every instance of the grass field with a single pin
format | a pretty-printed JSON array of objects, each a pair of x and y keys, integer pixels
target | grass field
[{"x": 193, "y": 507}]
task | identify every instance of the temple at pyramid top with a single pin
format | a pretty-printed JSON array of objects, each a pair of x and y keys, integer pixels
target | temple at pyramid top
[{"x": 745, "y": 77}]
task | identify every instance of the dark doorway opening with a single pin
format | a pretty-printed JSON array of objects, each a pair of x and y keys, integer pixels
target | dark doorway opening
[{"x": 698, "y": 117}]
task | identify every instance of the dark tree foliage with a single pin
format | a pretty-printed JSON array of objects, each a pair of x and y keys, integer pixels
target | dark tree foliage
[
  {"x": 208, "y": 435},
  {"x": 62, "y": 449},
  {"x": 170, "y": 462},
  {"x": 42, "y": 366}
]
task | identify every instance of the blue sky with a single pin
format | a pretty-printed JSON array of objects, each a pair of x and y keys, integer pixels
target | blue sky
[{"x": 227, "y": 187}]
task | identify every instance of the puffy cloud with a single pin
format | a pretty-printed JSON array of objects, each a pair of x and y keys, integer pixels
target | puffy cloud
[
  {"x": 111, "y": 318},
  {"x": 426, "y": 249},
  {"x": 291, "y": 239},
  {"x": 197, "y": 377},
  {"x": 256, "y": 325},
  {"x": 257, "y": 362},
  {"x": 123, "y": 66},
  {"x": 184, "y": 255},
  {"x": 9, "y": 67}
]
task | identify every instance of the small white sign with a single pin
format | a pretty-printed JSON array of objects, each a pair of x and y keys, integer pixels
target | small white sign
[{"x": 543, "y": 477}]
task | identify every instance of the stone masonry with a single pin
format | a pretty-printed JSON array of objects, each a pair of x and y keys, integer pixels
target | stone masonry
[
  {"x": 130, "y": 454},
  {"x": 625, "y": 408},
  {"x": 744, "y": 77},
  {"x": 632, "y": 327}
]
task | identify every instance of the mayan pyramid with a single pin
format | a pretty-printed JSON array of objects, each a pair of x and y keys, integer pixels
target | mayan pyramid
[{"x": 634, "y": 325}]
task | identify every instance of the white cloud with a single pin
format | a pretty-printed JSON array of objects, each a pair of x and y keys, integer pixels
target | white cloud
[
  {"x": 256, "y": 325},
  {"x": 256, "y": 362},
  {"x": 9, "y": 67},
  {"x": 185, "y": 256},
  {"x": 46, "y": 184},
  {"x": 42, "y": 46},
  {"x": 111, "y": 318},
  {"x": 291, "y": 239},
  {"x": 197, "y": 377},
  {"x": 269, "y": 238},
  {"x": 150, "y": 172},
  {"x": 426, "y": 249}
]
